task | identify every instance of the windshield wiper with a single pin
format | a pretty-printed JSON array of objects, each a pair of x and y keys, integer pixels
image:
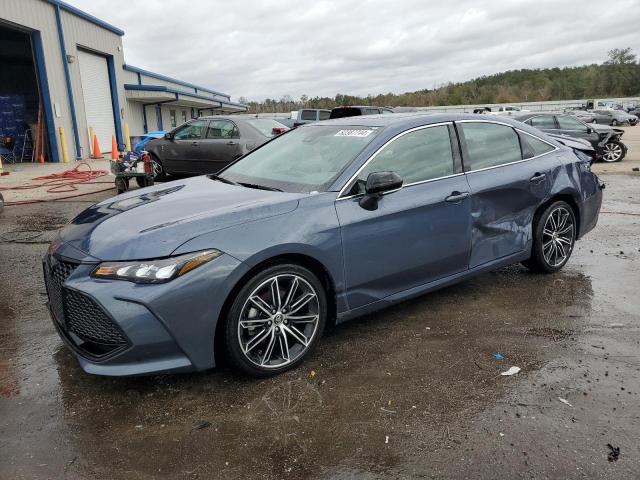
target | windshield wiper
[
  {"x": 260, "y": 187},
  {"x": 215, "y": 176}
]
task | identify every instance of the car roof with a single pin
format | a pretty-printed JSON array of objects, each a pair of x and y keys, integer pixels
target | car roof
[
  {"x": 525, "y": 115},
  {"x": 409, "y": 119}
]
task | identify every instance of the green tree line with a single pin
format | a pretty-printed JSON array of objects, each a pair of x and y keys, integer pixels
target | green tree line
[{"x": 619, "y": 76}]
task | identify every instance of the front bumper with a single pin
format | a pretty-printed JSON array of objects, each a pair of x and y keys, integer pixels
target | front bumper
[{"x": 117, "y": 327}]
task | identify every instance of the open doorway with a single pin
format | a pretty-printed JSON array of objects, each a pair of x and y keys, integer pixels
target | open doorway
[{"x": 23, "y": 131}]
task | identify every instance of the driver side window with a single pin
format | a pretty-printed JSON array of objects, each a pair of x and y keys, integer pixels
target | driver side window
[
  {"x": 190, "y": 131},
  {"x": 421, "y": 155}
]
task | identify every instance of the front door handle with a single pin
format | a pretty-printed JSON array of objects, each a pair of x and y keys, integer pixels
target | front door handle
[
  {"x": 538, "y": 177},
  {"x": 195, "y": 144},
  {"x": 232, "y": 143},
  {"x": 456, "y": 196}
]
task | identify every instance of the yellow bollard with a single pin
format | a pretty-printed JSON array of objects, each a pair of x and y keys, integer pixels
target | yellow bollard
[
  {"x": 63, "y": 145},
  {"x": 91, "y": 135},
  {"x": 127, "y": 138}
]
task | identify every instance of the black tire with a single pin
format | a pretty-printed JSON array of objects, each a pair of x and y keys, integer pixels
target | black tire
[
  {"x": 122, "y": 185},
  {"x": 160, "y": 174},
  {"x": 146, "y": 181},
  {"x": 614, "y": 123},
  {"x": 544, "y": 245},
  {"x": 1, "y": 203},
  {"x": 234, "y": 333},
  {"x": 613, "y": 151},
  {"x": 594, "y": 121}
]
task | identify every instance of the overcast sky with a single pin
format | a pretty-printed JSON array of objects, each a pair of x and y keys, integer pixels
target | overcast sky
[{"x": 292, "y": 47}]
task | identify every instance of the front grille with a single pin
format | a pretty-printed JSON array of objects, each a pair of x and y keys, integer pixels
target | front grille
[
  {"x": 88, "y": 321},
  {"x": 55, "y": 274},
  {"x": 80, "y": 319}
]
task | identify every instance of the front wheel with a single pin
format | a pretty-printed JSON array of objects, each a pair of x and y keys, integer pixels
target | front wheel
[
  {"x": 554, "y": 235},
  {"x": 276, "y": 320},
  {"x": 614, "y": 123},
  {"x": 594, "y": 121},
  {"x": 613, "y": 152}
]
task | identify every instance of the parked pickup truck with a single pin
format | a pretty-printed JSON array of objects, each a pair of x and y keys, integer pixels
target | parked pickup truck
[{"x": 306, "y": 115}]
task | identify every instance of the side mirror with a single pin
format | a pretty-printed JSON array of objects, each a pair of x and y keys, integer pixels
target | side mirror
[
  {"x": 377, "y": 184},
  {"x": 168, "y": 136}
]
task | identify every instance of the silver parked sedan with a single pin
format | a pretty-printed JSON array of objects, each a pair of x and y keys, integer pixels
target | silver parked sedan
[{"x": 208, "y": 144}]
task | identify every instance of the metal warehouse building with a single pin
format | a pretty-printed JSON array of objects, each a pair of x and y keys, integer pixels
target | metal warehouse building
[{"x": 63, "y": 74}]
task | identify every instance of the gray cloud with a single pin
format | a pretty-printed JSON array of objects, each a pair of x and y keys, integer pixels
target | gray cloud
[{"x": 260, "y": 49}]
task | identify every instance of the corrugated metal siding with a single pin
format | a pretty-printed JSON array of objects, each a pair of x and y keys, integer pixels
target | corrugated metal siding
[
  {"x": 127, "y": 76},
  {"x": 135, "y": 118},
  {"x": 83, "y": 34}
]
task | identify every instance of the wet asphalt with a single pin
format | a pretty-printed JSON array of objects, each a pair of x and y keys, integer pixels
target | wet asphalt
[{"x": 414, "y": 391}]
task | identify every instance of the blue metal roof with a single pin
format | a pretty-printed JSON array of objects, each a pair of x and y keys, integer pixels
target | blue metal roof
[
  {"x": 84, "y": 15},
  {"x": 163, "y": 88},
  {"x": 147, "y": 73}
]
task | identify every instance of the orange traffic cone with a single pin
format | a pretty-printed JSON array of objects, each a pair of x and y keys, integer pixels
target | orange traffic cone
[
  {"x": 96, "y": 148},
  {"x": 115, "y": 154}
]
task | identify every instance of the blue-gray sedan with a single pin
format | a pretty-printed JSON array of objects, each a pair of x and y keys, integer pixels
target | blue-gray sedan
[{"x": 330, "y": 221}]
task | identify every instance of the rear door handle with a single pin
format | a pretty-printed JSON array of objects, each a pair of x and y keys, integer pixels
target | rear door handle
[
  {"x": 538, "y": 177},
  {"x": 195, "y": 144},
  {"x": 456, "y": 196},
  {"x": 232, "y": 143}
]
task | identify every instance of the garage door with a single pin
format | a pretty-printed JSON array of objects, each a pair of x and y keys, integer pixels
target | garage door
[{"x": 96, "y": 92}]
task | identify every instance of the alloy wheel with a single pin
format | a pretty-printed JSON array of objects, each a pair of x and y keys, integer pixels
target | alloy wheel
[
  {"x": 612, "y": 152},
  {"x": 278, "y": 321},
  {"x": 157, "y": 168},
  {"x": 558, "y": 237}
]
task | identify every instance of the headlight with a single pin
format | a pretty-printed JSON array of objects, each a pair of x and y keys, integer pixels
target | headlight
[{"x": 154, "y": 271}]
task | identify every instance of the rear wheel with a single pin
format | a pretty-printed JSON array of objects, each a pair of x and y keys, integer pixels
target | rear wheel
[
  {"x": 614, "y": 122},
  {"x": 276, "y": 320},
  {"x": 613, "y": 152},
  {"x": 594, "y": 121},
  {"x": 159, "y": 173},
  {"x": 554, "y": 235},
  {"x": 146, "y": 181}
]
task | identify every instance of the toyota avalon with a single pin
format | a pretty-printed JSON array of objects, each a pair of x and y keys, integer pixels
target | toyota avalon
[{"x": 325, "y": 223}]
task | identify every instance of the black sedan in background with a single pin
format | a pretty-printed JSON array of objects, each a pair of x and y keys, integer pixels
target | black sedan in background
[
  {"x": 207, "y": 144},
  {"x": 604, "y": 139}
]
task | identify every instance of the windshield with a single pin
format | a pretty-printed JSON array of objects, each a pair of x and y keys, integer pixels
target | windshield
[
  {"x": 265, "y": 126},
  {"x": 306, "y": 159}
]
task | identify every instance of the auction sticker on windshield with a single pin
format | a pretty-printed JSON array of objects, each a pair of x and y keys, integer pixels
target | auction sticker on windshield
[{"x": 353, "y": 133}]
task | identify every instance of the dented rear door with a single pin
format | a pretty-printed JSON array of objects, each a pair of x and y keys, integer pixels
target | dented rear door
[{"x": 506, "y": 188}]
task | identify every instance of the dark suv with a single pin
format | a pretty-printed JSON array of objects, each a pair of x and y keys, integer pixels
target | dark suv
[
  {"x": 604, "y": 139},
  {"x": 354, "y": 111}
]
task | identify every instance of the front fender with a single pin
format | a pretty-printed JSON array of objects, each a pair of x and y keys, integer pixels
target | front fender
[{"x": 311, "y": 230}]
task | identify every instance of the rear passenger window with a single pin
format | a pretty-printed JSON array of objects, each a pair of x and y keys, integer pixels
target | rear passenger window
[
  {"x": 308, "y": 115},
  {"x": 371, "y": 111},
  {"x": 542, "y": 121},
  {"x": 324, "y": 115},
  {"x": 532, "y": 146},
  {"x": 490, "y": 145},
  {"x": 421, "y": 155}
]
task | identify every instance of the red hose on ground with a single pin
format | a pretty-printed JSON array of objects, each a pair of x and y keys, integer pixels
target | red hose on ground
[{"x": 62, "y": 182}]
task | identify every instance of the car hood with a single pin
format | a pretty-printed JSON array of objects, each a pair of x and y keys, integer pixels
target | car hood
[
  {"x": 153, "y": 222},
  {"x": 604, "y": 129}
]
